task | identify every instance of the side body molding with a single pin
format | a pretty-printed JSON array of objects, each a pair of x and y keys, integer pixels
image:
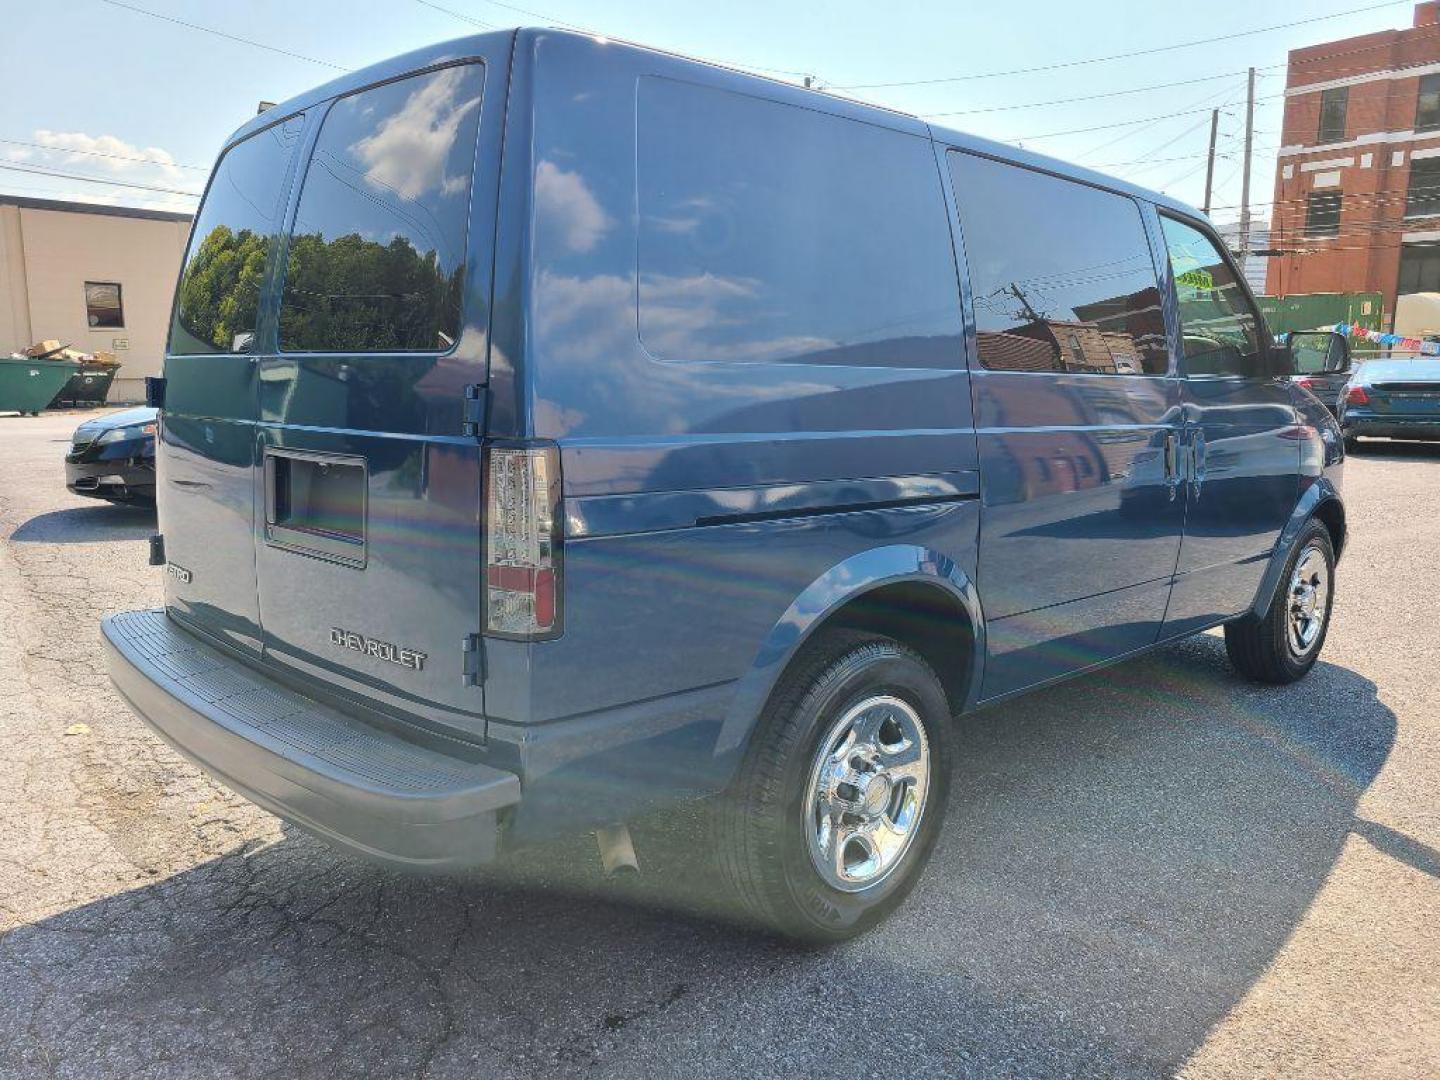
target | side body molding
[
  {"x": 860, "y": 574},
  {"x": 1321, "y": 491}
]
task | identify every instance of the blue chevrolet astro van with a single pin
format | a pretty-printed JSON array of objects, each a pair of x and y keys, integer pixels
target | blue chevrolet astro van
[{"x": 554, "y": 427}]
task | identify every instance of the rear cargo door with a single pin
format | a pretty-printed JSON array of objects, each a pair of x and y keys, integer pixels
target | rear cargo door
[
  {"x": 368, "y": 539},
  {"x": 206, "y": 454}
]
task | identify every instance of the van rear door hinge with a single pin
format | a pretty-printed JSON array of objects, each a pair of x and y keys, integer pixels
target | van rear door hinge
[
  {"x": 472, "y": 418},
  {"x": 472, "y": 671}
]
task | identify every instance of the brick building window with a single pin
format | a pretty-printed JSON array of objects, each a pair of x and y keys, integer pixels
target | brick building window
[
  {"x": 1427, "y": 109},
  {"x": 1322, "y": 214},
  {"x": 1332, "y": 114},
  {"x": 1423, "y": 197}
]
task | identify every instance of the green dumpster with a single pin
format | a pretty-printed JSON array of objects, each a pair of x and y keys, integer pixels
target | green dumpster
[
  {"x": 27, "y": 386},
  {"x": 88, "y": 386}
]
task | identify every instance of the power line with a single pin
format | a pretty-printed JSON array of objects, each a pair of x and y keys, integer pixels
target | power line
[
  {"x": 1121, "y": 123},
  {"x": 459, "y": 15},
  {"x": 1088, "y": 97},
  {"x": 1120, "y": 56},
  {"x": 223, "y": 34},
  {"x": 99, "y": 180},
  {"x": 102, "y": 154}
]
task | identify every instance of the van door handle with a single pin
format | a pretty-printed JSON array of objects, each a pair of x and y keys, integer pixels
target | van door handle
[
  {"x": 1198, "y": 454},
  {"x": 1172, "y": 464}
]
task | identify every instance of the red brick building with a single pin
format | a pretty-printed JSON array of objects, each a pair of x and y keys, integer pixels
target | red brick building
[{"x": 1357, "y": 183}]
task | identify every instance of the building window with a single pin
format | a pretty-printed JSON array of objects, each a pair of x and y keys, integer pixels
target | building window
[
  {"x": 1332, "y": 114},
  {"x": 1322, "y": 214},
  {"x": 103, "y": 309},
  {"x": 1427, "y": 110},
  {"x": 1419, "y": 268},
  {"x": 1423, "y": 197}
]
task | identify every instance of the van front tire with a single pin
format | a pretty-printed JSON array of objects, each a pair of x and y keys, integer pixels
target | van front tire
[
  {"x": 1284, "y": 645},
  {"x": 842, "y": 790}
]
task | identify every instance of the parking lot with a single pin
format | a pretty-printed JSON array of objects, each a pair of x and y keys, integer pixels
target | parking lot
[{"x": 1158, "y": 869}]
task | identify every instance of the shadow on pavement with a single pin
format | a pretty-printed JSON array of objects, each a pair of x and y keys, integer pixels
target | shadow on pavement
[
  {"x": 1124, "y": 857},
  {"x": 88, "y": 524}
]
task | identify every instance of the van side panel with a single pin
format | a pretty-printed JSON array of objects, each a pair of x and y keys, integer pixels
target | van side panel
[
  {"x": 719, "y": 453},
  {"x": 1077, "y": 411}
]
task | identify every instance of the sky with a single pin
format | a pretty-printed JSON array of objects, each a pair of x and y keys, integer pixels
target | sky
[{"x": 93, "y": 85}]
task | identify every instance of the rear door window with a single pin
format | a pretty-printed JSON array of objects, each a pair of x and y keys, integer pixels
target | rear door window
[
  {"x": 1061, "y": 272},
  {"x": 376, "y": 261},
  {"x": 230, "y": 244},
  {"x": 1219, "y": 328},
  {"x": 770, "y": 232}
]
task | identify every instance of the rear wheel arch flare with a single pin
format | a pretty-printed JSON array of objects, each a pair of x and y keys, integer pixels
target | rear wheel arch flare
[
  {"x": 927, "y": 618},
  {"x": 1331, "y": 513}
]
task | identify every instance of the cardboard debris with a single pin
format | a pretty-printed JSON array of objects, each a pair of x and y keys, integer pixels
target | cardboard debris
[{"x": 54, "y": 349}]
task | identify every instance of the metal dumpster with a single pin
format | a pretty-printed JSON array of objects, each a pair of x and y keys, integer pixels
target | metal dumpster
[
  {"x": 88, "y": 386},
  {"x": 27, "y": 386}
]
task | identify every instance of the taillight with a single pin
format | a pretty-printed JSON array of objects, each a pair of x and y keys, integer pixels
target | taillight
[
  {"x": 522, "y": 541},
  {"x": 1356, "y": 395},
  {"x": 1305, "y": 381}
]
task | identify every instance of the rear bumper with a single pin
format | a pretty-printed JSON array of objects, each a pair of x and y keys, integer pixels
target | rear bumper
[
  {"x": 1393, "y": 427},
  {"x": 362, "y": 788}
]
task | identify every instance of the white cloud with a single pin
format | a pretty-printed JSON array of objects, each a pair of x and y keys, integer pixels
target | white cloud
[
  {"x": 563, "y": 202},
  {"x": 109, "y": 154},
  {"x": 104, "y": 157},
  {"x": 408, "y": 152}
]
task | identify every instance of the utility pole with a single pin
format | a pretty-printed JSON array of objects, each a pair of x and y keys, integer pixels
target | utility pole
[
  {"x": 1245, "y": 173},
  {"x": 1210, "y": 161}
]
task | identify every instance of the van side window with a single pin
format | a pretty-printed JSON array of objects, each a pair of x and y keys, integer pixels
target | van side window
[
  {"x": 771, "y": 232},
  {"x": 1219, "y": 329},
  {"x": 230, "y": 243},
  {"x": 377, "y": 257},
  {"x": 1061, "y": 273}
]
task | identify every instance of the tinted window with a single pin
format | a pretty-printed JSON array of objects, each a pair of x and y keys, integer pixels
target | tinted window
[
  {"x": 1322, "y": 214},
  {"x": 377, "y": 259},
  {"x": 1427, "y": 109},
  {"x": 230, "y": 244},
  {"x": 1061, "y": 273},
  {"x": 1332, "y": 114},
  {"x": 775, "y": 233},
  {"x": 1219, "y": 329},
  {"x": 1422, "y": 199},
  {"x": 1419, "y": 268}
]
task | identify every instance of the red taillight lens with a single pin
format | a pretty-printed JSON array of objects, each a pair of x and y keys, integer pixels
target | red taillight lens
[
  {"x": 1356, "y": 395},
  {"x": 523, "y": 541},
  {"x": 1305, "y": 381}
]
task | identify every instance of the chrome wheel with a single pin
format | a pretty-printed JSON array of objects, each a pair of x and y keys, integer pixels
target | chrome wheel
[
  {"x": 1309, "y": 600},
  {"x": 867, "y": 792}
]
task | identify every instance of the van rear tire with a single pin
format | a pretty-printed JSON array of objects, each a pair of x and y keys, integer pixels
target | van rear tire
[
  {"x": 842, "y": 791},
  {"x": 1284, "y": 645}
]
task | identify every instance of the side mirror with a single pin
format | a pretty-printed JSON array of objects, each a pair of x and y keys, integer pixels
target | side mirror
[{"x": 1312, "y": 353}]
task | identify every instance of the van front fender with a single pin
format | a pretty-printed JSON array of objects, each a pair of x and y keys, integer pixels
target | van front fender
[
  {"x": 860, "y": 574},
  {"x": 1323, "y": 490}
]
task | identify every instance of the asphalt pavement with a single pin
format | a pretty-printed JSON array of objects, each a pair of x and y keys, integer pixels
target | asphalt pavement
[{"x": 1155, "y": 870}]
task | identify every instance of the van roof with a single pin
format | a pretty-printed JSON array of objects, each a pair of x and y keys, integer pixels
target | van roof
[{"x": 479, "y": 44}]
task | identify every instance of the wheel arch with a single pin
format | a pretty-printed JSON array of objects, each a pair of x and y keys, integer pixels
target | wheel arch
[
  {"x": 1321, "y": 502},
  {"x": 915, "y": 595}
]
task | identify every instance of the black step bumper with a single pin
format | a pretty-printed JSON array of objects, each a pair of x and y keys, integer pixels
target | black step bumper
[{"x": 360, "y": 787}]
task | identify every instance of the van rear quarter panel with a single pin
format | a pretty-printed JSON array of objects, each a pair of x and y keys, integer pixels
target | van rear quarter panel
[{"x": 705, "y": 495}]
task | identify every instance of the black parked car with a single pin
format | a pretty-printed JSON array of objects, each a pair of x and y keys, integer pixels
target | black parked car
[{"x": 113, "y": 457}]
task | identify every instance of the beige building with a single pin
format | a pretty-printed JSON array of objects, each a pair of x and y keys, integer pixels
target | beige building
[{"x": 98, "y": 278}]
